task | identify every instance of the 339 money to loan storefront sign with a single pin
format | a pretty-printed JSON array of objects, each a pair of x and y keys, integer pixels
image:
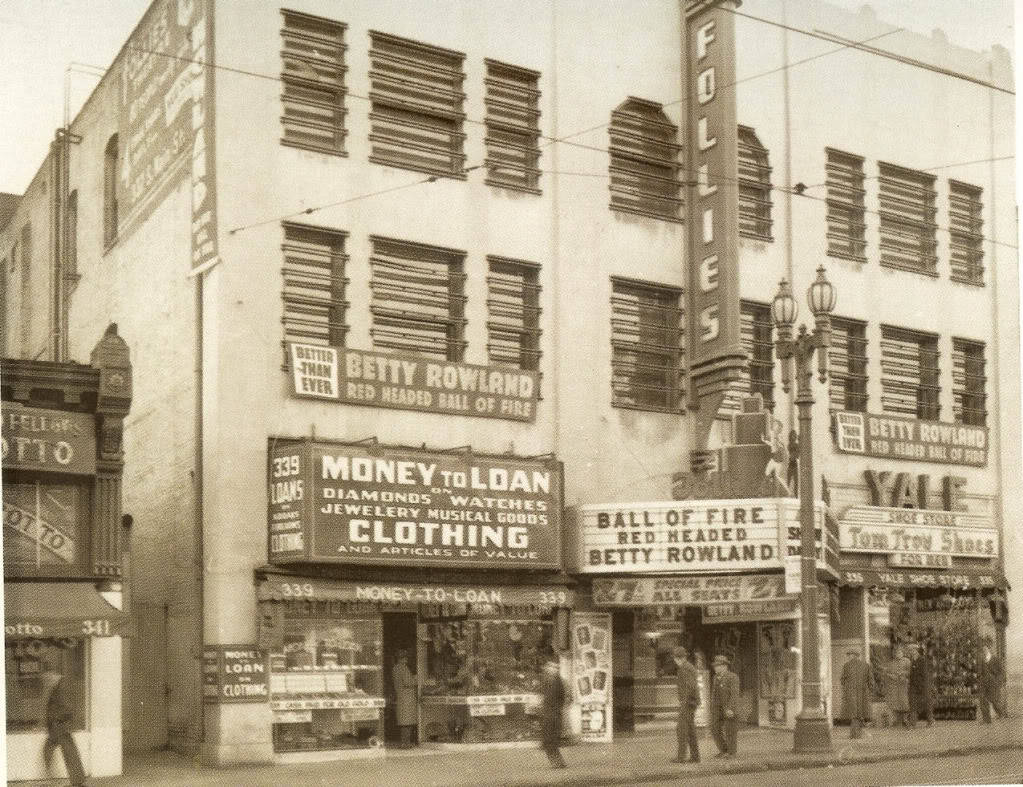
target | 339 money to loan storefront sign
[{"x": 354, "y": 504}]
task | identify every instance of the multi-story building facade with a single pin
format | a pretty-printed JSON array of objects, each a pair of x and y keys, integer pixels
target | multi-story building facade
[{"x": 366, "y": 257}]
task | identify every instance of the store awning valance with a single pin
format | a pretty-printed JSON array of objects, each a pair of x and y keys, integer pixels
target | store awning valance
[
  {"x": 59, "y": 609},
  {"x": 289, "y": 587},
  {"x": 921, "y": 578}
]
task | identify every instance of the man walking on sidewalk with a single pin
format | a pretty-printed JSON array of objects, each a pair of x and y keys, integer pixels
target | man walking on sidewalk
[
  {"x": 856, "y": 691},
  {"x": 688, "y": 701},
  {"x": 552, "y": 689},
  {"x": 59, "y": 723},
  {"x": 991, "y": 684},
  {"x": 724, "y": 696}
]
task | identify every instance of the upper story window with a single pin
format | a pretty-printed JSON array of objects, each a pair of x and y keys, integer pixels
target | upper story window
[
  {"x": 965, "y": 227},
  {"x": 754, "y": 186},
  {"x": 314, "y": 286},
  {"x": 907, "y": 208},
  {"x": 417, "y": 298},
  {"x": 969, "y": 397},
  {"x": 757, "y": 335},
  {"x": 644, "y": 161},
  {"x": 513, "y": 312},
  {"x": 646, "y": 346},
  {"x": 513, "y": 126},
  {"x": 910, "y": 373},
  {"x": 847, "y": 365},
  {"x": 110, "y": 156},
  {"x": 416, "y": 115},
  {"x": 313, "y": 82},
  {"x": 72, "y": 234},
  {"x": 846, "y": 211}
]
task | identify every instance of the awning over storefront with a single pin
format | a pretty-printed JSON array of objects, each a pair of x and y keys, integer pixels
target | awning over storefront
[
  {"x": 59, "y": 609},
  {"x": 290, "y": 587},
  {"x": 917, "y": 578}
]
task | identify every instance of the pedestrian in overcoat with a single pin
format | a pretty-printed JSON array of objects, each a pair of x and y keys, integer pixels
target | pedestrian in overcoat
[
  {"x": 921, "y": 687},
  {"x": 724, "y": 699},
  {"x": 406, "y": 710},
  {"x": 688, "y": 701},
  {"x": 59, "y": 725},
  {"x": 856, "y": 692},
  {"x": 552, "y": 689},
  {"x": 991, "y": 677},
  {"x": 896, "y": 693}
]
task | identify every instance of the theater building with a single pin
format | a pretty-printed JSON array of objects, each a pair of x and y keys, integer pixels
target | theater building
[
  {"x": 419, "y": 296},
  {"x": 64, "y": 599}
]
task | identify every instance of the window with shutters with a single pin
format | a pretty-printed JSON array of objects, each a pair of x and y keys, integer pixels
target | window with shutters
[
  {"x": 965, "y": 226},
  {"x": 757, "y": 337},
  {"x": 313, "y": 83},
  {"x": 513, "y": 312},
  {"x": 646, "y": 346},
  {"x": 969, "y": 397},
  {"x": 846, "y": 210},
  {"x": 644, "y": 164},
  {"x": 754, "y": 186},
  {"x": 416, "y": 97},
  {"x": 907, "y": 208},
  {"x": 314, "y": 286},
  {"x": 417, "y": 299},
  {"x": 110, "y": 164},
  {"x": 512, "y": 127},
  {"x": 909, "y": 373},
  {"x": 847, "y": 365}
]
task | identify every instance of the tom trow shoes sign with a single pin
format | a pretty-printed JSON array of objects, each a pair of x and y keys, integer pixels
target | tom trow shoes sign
[
  {"x": 890, "y": 437},
  {"x": 410, "y": 382},
  {"x": 908, "y": 531}
]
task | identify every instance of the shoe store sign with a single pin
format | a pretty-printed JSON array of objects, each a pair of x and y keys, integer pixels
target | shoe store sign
[
  {"x": 346, "y": 503},
  {"x": 891, "y": 437},
  {"x": 691, "y": 536},
  {"x": 411, "y": 382},
  {"x": 902, "y": 532}
]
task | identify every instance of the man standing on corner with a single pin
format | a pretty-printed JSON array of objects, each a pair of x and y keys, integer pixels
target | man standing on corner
[
  {"x": 552, "y": 691},
  {"x": 921, "y": 687},
  {"x": 724, "y": 696},
  {"x": 856, "y": 691},
  {"x": 688, "y": 701},
  {"x": 990, "y": 684}
]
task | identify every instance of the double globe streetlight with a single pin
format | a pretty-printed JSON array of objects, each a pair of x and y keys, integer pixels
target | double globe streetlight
[{"x": 813, "y": 733}]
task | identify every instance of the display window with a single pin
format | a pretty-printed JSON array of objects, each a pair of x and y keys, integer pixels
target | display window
[
  {"x": 326, "y": 682},
  {"x": 27, "y": 692},
  {"x": 42, "y": 526},
  {"x": 480, "y": 678}
]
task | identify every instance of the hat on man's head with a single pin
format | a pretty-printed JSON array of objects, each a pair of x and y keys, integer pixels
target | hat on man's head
[
  {"x": 853, "y": 652},
  {"x": 721, "y": 658},
  {"x": 680, "y": 652}
]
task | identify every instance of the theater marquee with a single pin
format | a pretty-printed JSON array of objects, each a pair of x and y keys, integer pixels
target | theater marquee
[{"x": 344, "y": 503}]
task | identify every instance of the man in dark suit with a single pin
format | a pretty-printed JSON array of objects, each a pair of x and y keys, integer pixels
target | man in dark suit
[
  {"x": 921, "y": 687},
  {"x": 688, "y": 701},
  {"x": 724, "y": 698},
  {"x": 59, "y": 724},
  {"x": 552, "y": 691},
  {"x": 991, "y": 684}
]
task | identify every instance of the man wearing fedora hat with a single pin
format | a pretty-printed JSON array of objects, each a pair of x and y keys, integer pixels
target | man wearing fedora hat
[
  {"x": 724, "y": 696},
  {"x": 856, "y": 691},
  {"x": 688, "y": 701}
]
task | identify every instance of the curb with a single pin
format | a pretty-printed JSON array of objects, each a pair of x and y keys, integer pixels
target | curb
[{"x": 811, "y": 761}]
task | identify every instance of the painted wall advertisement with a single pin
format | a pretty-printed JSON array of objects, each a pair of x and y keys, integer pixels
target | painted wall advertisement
[
  {"x": 235, "y": 673},
  {"x": 893, "y": 437},
  {"x": 591, "y": 672},
  {"x": 374, "y": 504},
  {"x": 410, "y": 382},
  {"x": 694, "y": 535},
  {"x": 165, "y": 127}
]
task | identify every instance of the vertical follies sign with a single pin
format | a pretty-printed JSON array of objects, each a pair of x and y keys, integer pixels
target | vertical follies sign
[
  {"x": 165, "y": 128},
  {"x": 716, "y": 354}
]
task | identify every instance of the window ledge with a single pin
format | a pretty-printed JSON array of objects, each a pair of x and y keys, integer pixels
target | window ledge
[
  {"x": 851, "y": 257},
  {"x": 410, "y": 168},
  {"x": 751, "y": 236},
  {"x": 314, "y": 149},
  {"x": 909, "y": 269},
  {"x": 645, "y": 213},
  {"x": 968, "y": 282},
  {"x": 512, "y": 187},
  {"x": 650, "y": 409}
]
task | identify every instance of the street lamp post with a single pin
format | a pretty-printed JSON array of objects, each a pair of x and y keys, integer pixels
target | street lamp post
[{"x": 813, "y": 733}]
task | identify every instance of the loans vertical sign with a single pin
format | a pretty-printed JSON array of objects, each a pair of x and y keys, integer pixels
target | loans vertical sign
[{"x": 716, "y": 354}]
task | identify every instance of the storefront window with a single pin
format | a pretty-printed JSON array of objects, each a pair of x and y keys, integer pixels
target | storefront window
[
  {"x": 326, "y": 681},
  {"x": 481, "y": 678},
  {"x": 42, "y": 527},
  {"x": 27, "y": 691}
]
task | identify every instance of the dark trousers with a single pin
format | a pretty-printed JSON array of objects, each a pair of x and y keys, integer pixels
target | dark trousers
[
  {"x": 553, "y": 752},
  {"x": 72, "y": 760},
  {"x": 686, "y": 729},
  {"x": 856, "y": 727},
  {"x": 923, "y": 709},
  {"x": 988, "y": 699},
  {"x": 726, "y": 734}
]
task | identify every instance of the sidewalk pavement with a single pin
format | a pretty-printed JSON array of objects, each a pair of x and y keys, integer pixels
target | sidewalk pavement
[{"x": 628, "y": 760}]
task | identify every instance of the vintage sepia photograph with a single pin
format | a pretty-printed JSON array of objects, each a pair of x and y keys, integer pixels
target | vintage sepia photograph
[{"x": 449, "y": 393}]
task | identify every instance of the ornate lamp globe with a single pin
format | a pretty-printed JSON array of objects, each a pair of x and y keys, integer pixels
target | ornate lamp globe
[
  {"x": 821, "y": 295},
  {"x": 784, "y": 308}
]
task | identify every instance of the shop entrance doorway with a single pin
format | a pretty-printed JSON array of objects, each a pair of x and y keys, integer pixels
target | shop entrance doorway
[{"x": 399, "y": 635}]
